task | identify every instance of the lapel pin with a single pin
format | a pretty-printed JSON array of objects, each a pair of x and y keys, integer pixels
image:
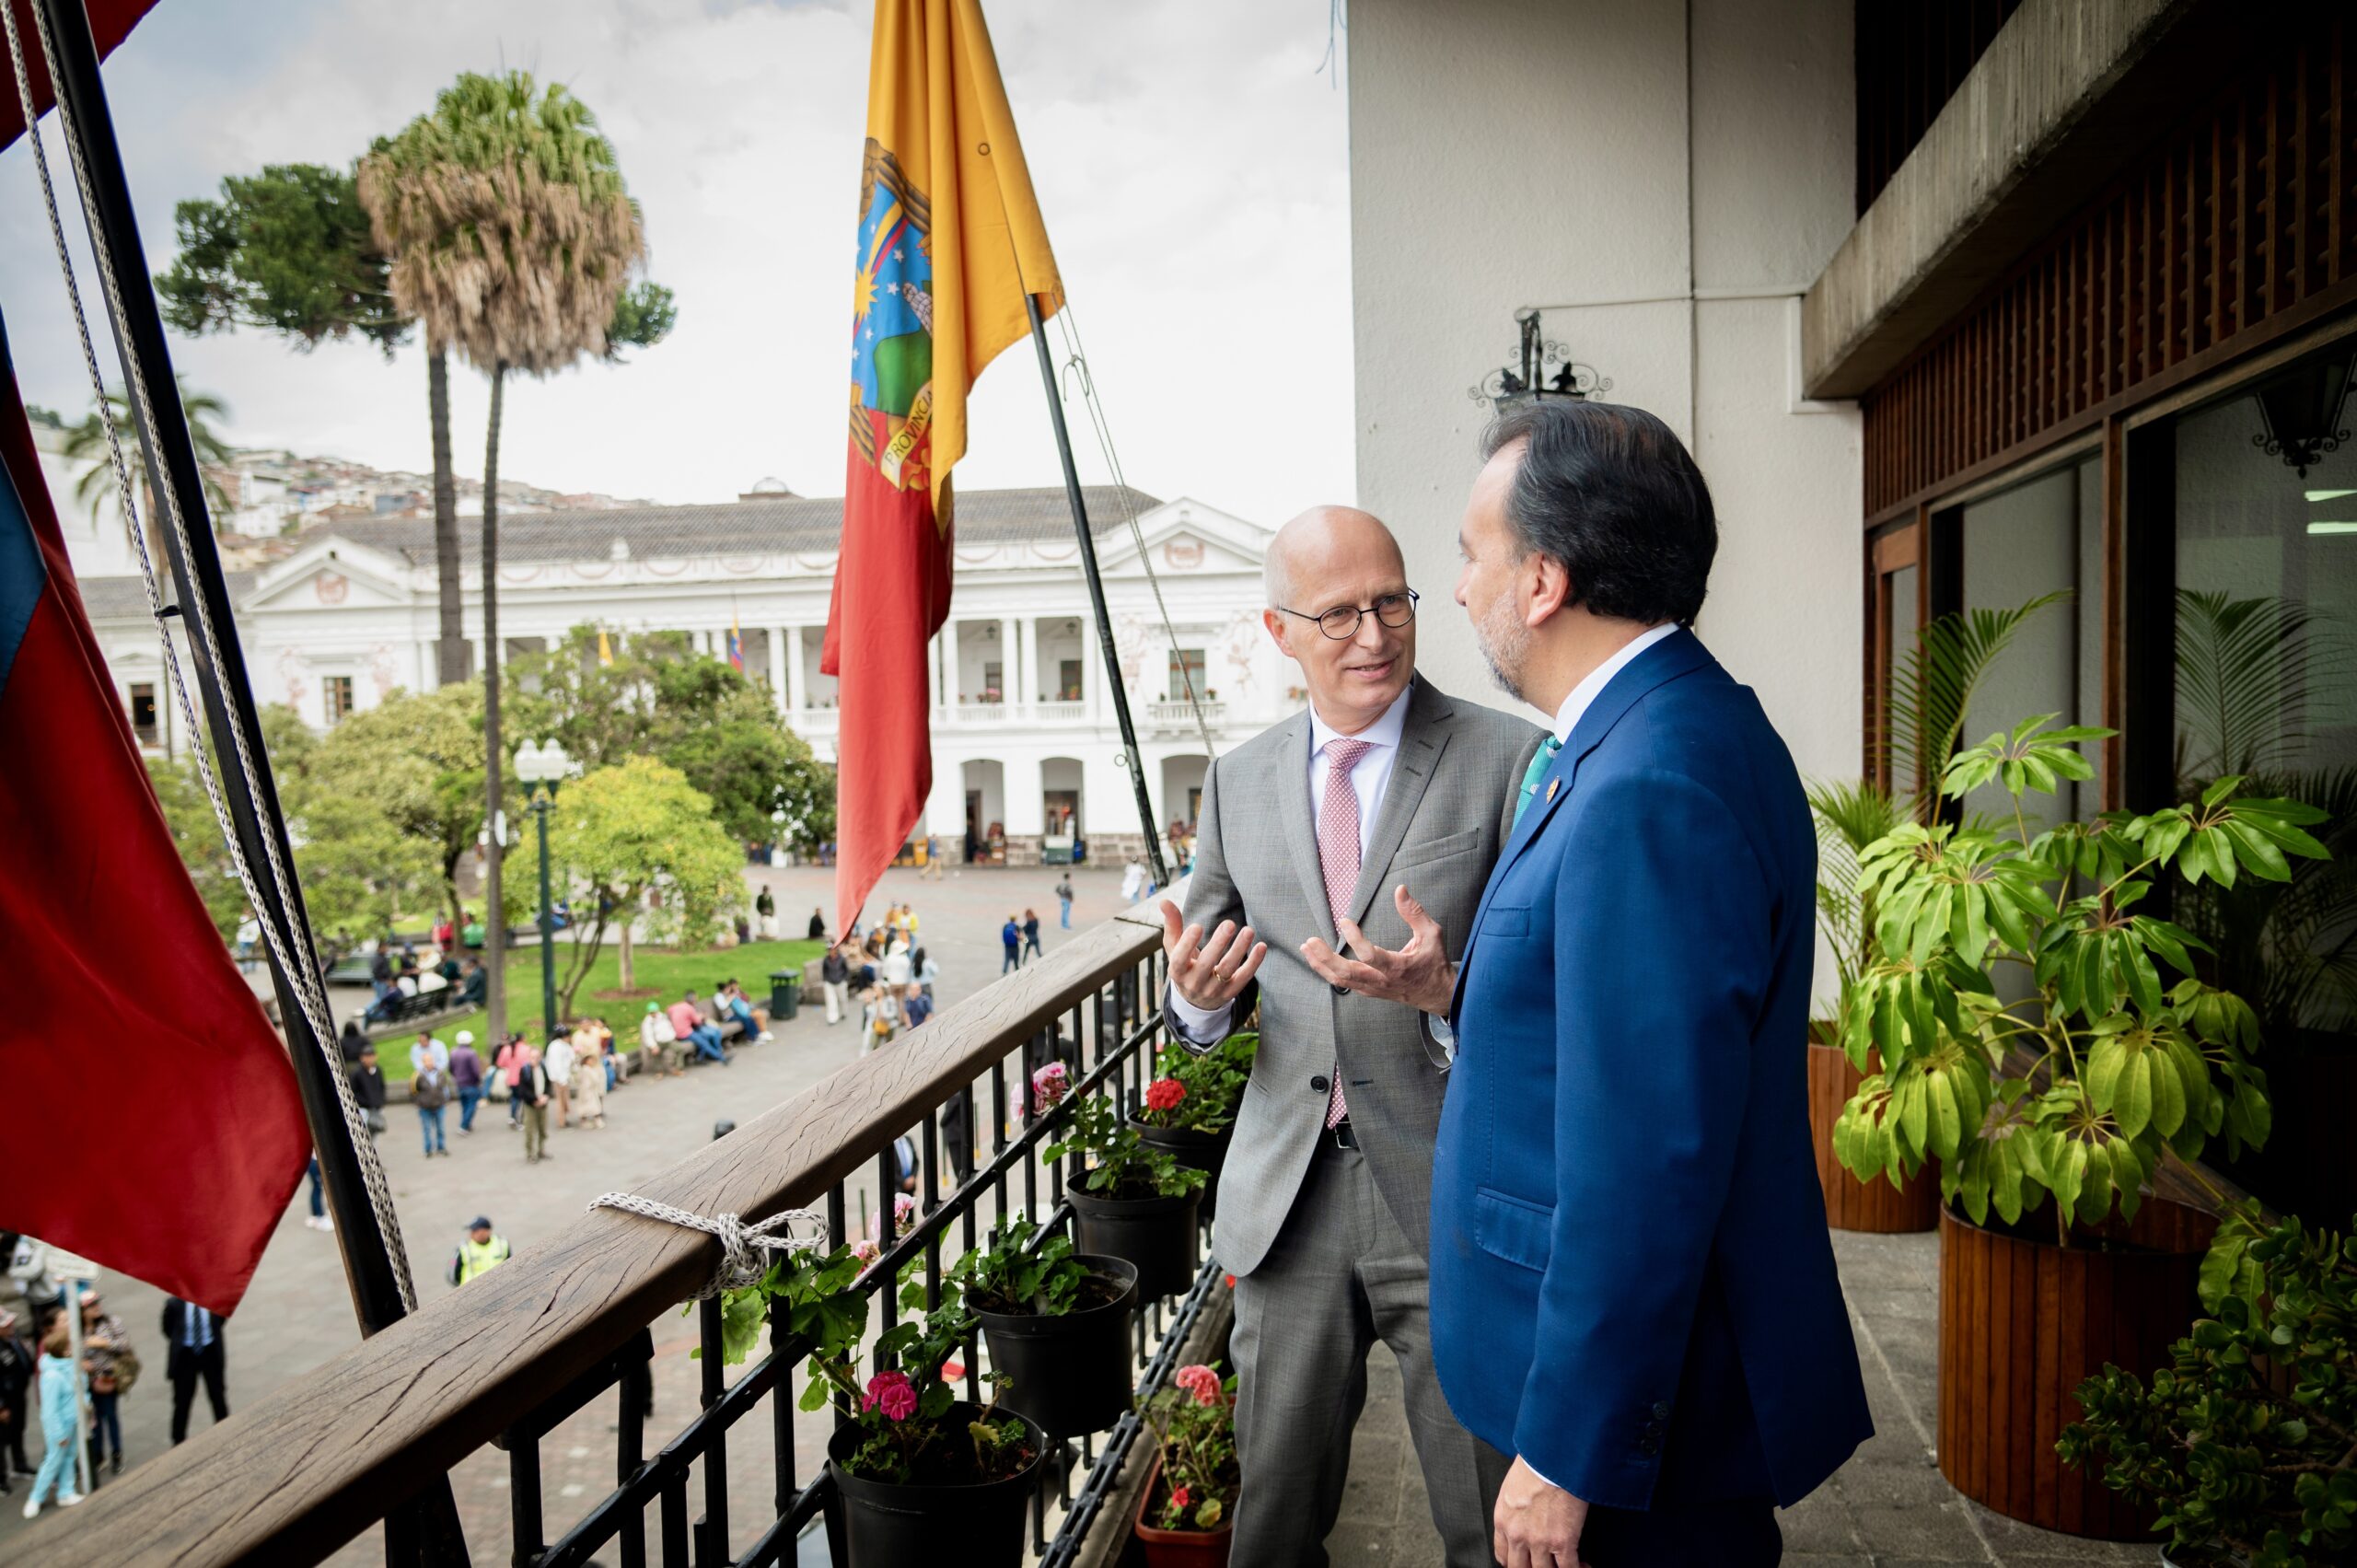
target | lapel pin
[{"x": 1552, "y": 784}]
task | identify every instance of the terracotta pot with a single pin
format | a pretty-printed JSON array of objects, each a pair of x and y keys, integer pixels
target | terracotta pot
[
  {"x": 1177, "y": 1549},
  {"x": 1850, "y": 1204},
  {"x": 2023, "y": 1323}
]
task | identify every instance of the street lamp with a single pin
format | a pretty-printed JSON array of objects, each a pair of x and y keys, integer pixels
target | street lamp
[{"x": 545, "y": 766}]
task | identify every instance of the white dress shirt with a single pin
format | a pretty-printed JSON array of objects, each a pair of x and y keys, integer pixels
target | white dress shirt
[
  {"x": 1585, "y": 694},
  {"x": 1370, "y": 777}
]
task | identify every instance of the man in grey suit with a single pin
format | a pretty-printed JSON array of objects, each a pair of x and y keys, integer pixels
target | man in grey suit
[{"x": 1325, "y": 1198}]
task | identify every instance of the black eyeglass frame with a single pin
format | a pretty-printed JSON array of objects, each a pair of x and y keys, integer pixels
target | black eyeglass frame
[{"x": 1359, "y": 613}]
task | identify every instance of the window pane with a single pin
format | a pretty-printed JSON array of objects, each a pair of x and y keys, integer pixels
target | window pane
[
  {"x": 1905, "y": 624},
  {"x": 2034, "y": 540}
]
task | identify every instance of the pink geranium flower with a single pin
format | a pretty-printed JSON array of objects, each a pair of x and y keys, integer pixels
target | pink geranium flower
[
  {"x": 1164, "y": 1094},
  {"x": 892, "y": 1393},
  {"x": 1049, "y": 1084},
  {"x": 1200, "y": 1381}
]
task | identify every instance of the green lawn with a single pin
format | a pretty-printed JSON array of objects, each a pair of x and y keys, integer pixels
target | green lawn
[{"x": 667, "y": 972}]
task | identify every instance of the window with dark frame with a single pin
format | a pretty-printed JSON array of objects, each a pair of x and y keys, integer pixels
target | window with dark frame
[
  {"x": 142, "y": 713},
  {"x": 337, "y": 690}
]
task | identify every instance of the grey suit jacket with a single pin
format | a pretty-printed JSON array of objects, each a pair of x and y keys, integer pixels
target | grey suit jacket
[{"x": 1448, "y": 807}]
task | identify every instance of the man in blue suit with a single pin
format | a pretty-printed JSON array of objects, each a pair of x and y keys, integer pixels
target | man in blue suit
[{"x": 1633, "y": 1289}]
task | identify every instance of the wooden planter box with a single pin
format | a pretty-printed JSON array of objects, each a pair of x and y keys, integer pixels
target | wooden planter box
[
  {"x": 1850, "y": 1204},
  {"x": 2023, "y": 1323}
]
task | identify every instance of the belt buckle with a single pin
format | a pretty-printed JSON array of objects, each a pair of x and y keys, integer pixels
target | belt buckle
[{"x": 1343, "y": 1135}]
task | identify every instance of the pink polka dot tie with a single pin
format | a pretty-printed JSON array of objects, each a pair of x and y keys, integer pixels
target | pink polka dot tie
[{"x": 1338, "y": 857}]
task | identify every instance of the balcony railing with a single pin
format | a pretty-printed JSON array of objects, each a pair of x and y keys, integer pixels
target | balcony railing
[
  {"x": 979, "y": 713},
  {"x": 1180, "y": 715},
  {"x": 304, "y": 1470},
  {"x": 1060, "y": 712}
]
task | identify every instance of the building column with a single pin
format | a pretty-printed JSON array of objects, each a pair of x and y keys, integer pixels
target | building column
[
  {"x": 1008, "y": 659},
  {"x": 932, "y": 664},
  {"x": 777, "y": 668},
  {"x": 797, "y": 698},
  {"x": 1092, "y": 670}
]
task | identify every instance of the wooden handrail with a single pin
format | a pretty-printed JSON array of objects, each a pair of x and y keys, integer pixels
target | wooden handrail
[{"x": 298, "y": 1474}]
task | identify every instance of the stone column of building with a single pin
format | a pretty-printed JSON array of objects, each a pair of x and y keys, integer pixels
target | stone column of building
[
  {"x": 1092, "y": 670},
  {"x": 777, "y": 668},
  {"x": 932, "y": 664},
  {"x": 1006, "y": 659},
  {"x": 798, "y": 699},
  {"x": 1026, "y": 661}
]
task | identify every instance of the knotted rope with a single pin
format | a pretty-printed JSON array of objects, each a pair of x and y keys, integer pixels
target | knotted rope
[{"x": 744, "y": 1248}]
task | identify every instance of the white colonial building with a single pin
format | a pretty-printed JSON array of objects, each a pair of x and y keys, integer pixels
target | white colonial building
[{"x": 1025, "y": 739}]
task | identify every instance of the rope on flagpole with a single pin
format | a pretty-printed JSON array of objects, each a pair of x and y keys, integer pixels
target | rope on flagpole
[{"x": 305, "y": 975}]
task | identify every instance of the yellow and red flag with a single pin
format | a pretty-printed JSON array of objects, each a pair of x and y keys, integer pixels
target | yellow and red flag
[{"x": 950, "y": 240}]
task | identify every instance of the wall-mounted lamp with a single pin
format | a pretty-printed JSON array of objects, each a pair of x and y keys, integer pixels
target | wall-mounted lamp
[
  {"x": 1546, "y": 370},
  {"x": 2300, "y": 412}
]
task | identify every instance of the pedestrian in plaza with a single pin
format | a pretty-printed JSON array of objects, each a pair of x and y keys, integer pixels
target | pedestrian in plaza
[
  {"x": 20, "y": 1365},
  {"x": 317, "y": 1218},
  {"x": 107, "y": 1359},
  {"x": 430, "y": 1091},
  {"x": 368, "y": 1089},
  {"x": 589, "y": 1077},
  {"x": 351, "y": 1040},
  {"x": 589, "y": 1030},
  {"x": 817, "y": 927},
  {"x": 509, "y": 1064},
  {"x": 1031, "y": 935},
  {"x": 689, "y": 1025},
  {"x": 1063, "y": 899},
  {"x": 466, "y": 1080},
  {"x": 879, "y": 1018},
  {"x": 1010, "y": 937},
  {"x": 765, "y": 906},
  {"x": 915, "y": 1005},
  {"x": 58, "y": 1419},
  {"x": 658, "y": 1043},
  {"x": 900, "y": 965},
  {"x": 557, "y": 1058},
  {"x": 834, "y": 973},
  {"x": 728, "y": 998},
  {"x": 426, "y": 1049},
  {"x": 927, "y": 970},
  {"x": 1133, "y": 881},
  {"x": 533, "y": 1087},
  {"x": 933, "y": 856},
  {"x": 193, "y": 1352},
  {"x": 475, "y": 985},
  {"x": 481, "y": 1251}
]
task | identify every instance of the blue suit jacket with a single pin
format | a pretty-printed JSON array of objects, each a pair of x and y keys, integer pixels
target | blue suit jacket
[{"x": 1632, "y": 1282}]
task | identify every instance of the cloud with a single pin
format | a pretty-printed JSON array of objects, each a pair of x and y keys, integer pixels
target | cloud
[{"x": 1189, "y": 161}]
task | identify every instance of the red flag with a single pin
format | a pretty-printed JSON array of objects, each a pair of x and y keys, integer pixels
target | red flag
[
  {"x": 153, "y": 1124},
  {"x": 949, "y": 243},
  {"x": 110, "y": 23}
]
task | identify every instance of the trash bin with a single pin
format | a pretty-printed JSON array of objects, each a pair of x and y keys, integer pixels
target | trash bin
[{"x": 785, "y": 993}]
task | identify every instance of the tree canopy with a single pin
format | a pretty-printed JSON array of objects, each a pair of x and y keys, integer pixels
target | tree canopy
[{"x": 287, "y": 250}]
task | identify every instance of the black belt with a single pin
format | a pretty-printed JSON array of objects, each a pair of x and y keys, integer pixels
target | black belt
[{"x": 1341, "y": 1135}]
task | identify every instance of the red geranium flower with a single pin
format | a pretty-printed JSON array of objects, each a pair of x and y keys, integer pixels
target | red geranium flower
[
  {"x": 1182, "y": 1497},
  {"x": 1164, "y": 1094},
  {"x": 892, "y": 1393}
]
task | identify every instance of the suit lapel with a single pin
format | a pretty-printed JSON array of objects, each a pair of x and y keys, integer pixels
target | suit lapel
[
  {"x": 1681, "y": 653},
  {"x": 1299, "y": 820},
  {"x": 1430, "y": 720}
]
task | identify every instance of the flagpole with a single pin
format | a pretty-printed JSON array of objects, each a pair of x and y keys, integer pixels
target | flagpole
[
  {"x": 427, "y": 1531},
  {"x": 1096, "y": 596}
]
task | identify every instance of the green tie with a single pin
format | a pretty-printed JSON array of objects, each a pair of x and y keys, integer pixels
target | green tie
[{"x": 1533, "y": 773}]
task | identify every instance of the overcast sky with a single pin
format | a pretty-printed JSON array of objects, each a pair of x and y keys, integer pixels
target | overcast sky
[{"x": 1189, "y": 157}]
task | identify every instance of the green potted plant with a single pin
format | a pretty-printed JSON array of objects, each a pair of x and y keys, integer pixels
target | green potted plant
[
  {"x": 1186, "y": 1516},
  {"x": 2030, "y": 1044},
  {"x": 1190, "y": 1110},
  {"x": 1128, "y": 1201},
  {"x": 921, "y": 1476},
  {"x": 2242, "y": 1446},
  {"x": 1058, "y": 1322}
]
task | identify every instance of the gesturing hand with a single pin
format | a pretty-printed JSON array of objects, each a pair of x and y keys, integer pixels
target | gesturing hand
[
  {"x": 1210, "y": 974},
  {"x": 1418, "y": 974}
]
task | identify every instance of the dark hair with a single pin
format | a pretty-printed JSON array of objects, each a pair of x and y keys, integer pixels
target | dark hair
[{"x": 1611, "y": 493}]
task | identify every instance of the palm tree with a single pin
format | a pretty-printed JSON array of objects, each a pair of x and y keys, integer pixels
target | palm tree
[
  {"x": 86, "y": 442},
  {"x": 513, "y": 238}
]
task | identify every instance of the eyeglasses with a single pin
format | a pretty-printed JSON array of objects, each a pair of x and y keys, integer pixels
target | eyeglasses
[{"x": 1342, "y": 622}]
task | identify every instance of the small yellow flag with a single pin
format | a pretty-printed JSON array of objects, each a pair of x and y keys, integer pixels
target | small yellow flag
[{"x": 605, "y": 650}]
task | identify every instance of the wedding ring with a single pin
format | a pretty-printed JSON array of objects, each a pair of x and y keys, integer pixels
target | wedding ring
[{"x": 1220, "y": 975}]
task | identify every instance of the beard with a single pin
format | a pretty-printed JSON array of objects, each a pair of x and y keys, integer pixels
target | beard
[{"x": 1504, "y": 641}]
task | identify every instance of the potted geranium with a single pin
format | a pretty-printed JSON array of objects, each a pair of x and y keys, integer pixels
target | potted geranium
[
  {"x": 2243, "y": 1444},
  {"x": 2071, "y": 1079},
  {"x": 923, "y": 1477},
  {"x": 1058, "y": 1322},
  {"x": 1186, "y": 1516},
  {"x": 1190, "y": 1110},
  {"x": 1130, "y": 1200}
]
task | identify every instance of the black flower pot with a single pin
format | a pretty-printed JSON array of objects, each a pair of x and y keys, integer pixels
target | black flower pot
[
  {"x": 1155, "y": 1233},
  {"x": 885, "y": 1526},
  {"x": 1068, "y": 1374},
  {"x": 1205, "y": 1152}
]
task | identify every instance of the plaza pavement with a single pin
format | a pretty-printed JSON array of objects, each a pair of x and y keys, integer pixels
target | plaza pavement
[{"x": 1889, "y": 1508}]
